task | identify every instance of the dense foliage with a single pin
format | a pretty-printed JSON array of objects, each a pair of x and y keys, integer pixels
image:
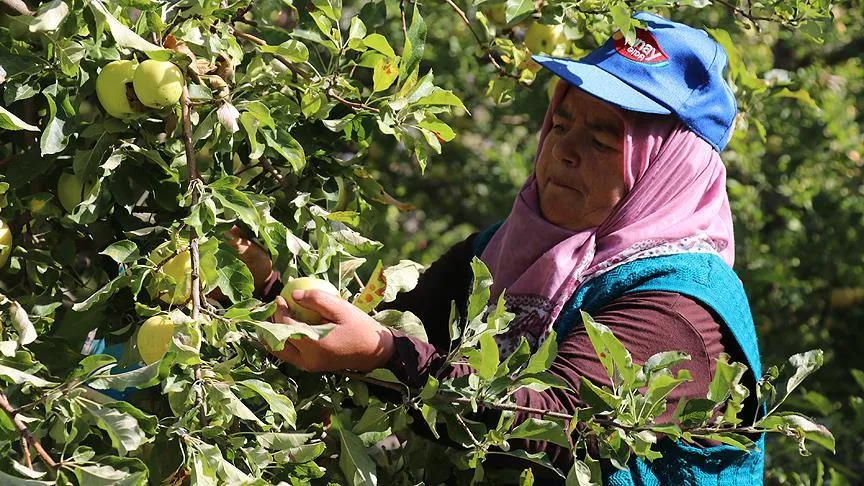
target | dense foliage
[{"x": 316, "y": 127}]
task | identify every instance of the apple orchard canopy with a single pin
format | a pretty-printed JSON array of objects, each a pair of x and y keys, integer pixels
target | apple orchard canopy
[{"x": 676, "y": 199}]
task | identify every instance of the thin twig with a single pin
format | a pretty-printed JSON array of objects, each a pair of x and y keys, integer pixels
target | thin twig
[
  {"x": 470, "y": 434},
  {"x": 404, "y": 23},
  {"x": 518, "y": 408},
  {"x": 351, "y": 104},
  {"x": 26, "y": 435},
  {"x": 26, "y": 448},
  {"x": 480, "y": 42}
]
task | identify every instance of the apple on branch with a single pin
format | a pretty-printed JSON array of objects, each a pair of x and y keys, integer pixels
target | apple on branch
[
  {"x": 542, "y": 38},
  {"x": 154, "y": 337},
  {"x": 5, "y": 242},
  {"x": 112, "y": 88},
  {"x": 172, "y": 283},
  {"x": 71, "y": 191},
  {"x": 158, "y": 84}
]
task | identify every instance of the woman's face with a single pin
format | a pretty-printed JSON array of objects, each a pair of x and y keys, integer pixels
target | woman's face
[{"x": 580, "y": 171}]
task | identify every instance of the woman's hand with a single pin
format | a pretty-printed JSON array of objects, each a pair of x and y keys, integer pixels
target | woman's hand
[
  {"x": 256, "y": 258},
  {"x": 357, "y": 342}
]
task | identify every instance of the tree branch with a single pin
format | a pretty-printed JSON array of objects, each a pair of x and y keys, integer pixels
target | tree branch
[
  {"x": 480, "y": 42},
  {"x": 26, "y": 435},
  {"x": 195, "y": 183}
]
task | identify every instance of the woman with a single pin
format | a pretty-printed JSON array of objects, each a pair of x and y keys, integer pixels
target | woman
[{"x": 626, "y": 217}]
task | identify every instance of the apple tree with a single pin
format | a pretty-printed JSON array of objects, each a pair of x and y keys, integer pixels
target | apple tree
[{"x": 139, "y": 138}]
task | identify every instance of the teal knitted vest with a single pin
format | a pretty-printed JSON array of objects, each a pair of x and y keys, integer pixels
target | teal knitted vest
[{"x": 707, "y": 279}]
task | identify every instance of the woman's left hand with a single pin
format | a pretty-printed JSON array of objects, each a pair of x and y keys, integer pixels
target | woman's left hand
[{"x": 356, "y": 342}]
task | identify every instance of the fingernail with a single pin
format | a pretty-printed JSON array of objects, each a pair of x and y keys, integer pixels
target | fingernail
[{"x": 298, "y": 294}]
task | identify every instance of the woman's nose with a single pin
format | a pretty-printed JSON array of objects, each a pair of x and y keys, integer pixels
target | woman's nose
[{"x": 567, "y": 151}]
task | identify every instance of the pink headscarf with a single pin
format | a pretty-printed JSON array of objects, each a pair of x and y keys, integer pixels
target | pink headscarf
[{"x": 676, "y": 202}]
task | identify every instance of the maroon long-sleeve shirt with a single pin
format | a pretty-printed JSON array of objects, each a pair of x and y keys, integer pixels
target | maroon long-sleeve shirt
[{"x": 645, "y": 322}]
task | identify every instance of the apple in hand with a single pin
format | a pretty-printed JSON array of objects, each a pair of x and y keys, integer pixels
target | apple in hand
[
  {"x": 154, "y": 337},
  {"x": 5, "y": 242},
  {"x": 299, "y": 312},
  {"x": 111, "y": 88},
  {"x": 542, "y": 38},
  {"x": 158, "y": 84},
  {"x": 70, "y": 191}
]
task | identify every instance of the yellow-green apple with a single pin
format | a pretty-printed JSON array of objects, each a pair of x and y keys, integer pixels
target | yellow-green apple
[
  {"x": 70, "y": 191},
  {"x": 111, "y": 88},
  {"x": 154, "y": 337},
  {"x": 306, "y": 283},
  {"x": 158, "y": 83},
  {"x": 542, "y": 38},
  {"x": 172, "y": 282},
  {"x": 5, "y": 242}
]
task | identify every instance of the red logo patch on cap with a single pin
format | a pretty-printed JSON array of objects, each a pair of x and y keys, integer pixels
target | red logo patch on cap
[{"x": 646, "y": 49}]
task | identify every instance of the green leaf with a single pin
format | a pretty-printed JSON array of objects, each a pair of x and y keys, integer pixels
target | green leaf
[
  {"x": 278, "y": 402},
  {"x": 402, "y": 321},
  {"x": 143, "y": 377},
  {"x": 103, "y": 294},
  {"x": 384, "y": 74},
  {"x": 430, "y": 415},
  {"x": 480, "y": 288},
  {"x": 292, "y": 50},
  {"x": 613, "y": 355},
  {"x": 581, "y": 474},
  {"x": 226, "y": 192},
  {"x": 8, "y": 121},
  {"x": 517, "y": 9},
  {"x": 401, "y": 277},
  {"x": 805, "y": 364},
  {"x": 379, "y": 43},
  {"x": 485, "y": 360},
  {"x": 801, "y": 427},
  {"x": 104, "y": 475},
  {"x": 541, "y": 429},
  {"x": 124, "y": 36},
  {"x": 356, "y": 465},
  {"x": 123, "y": 429},
  {"x": 9, "y": 480},
  {"x": 542, "y": 359},
  {"x": 49, "y": 17},
  {"x": 11, "y": 375},
  {"x": 414, "y": 46},
  {"x": 275, "y": 335},
  {"x": 123, "y": 251},
  {"x": 232, "y": 275},
  {"x": 538, "y": 458}
]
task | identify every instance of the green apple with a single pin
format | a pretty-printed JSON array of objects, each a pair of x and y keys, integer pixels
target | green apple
[
  {"x": 158, "y": 83},
  {"x": 5, "y": 242},
  {"x": 306, "y": 283},
  {"x": 154, "y": 337},
  {"x": 496, "y": 13},
  {"x": 111, "y": 88},
  {"x": 542, "y": 38},
  {"x": 70, "y": 191},
  {"x": 178, "y": 288}
]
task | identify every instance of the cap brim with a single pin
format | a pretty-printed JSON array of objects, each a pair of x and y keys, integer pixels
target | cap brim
[{"x": 601, "y": 84}]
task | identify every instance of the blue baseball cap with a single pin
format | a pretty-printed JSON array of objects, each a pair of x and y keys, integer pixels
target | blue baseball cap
[{"x": 671, "y": 68}]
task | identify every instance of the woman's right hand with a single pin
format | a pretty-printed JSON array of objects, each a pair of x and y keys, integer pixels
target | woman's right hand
[{"x": 256, "y": 258}]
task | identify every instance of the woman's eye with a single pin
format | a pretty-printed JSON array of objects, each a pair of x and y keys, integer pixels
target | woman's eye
[
  {"x": 558, "y": 127},
  {"x": 598, "y": 144}
]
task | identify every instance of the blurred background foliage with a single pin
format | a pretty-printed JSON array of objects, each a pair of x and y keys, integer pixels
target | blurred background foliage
[{"x": 794, "y": 180}]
